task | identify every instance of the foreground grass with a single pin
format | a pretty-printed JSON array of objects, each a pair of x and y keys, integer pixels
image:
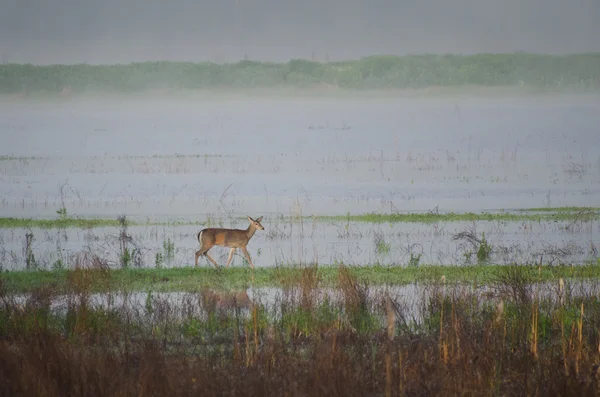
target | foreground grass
[
  {"x": 574, "y": 72},
  {"x": 534, "y": 215},
  {"x": 517, "y": 342},
  {"x": 194, "y": 279}
]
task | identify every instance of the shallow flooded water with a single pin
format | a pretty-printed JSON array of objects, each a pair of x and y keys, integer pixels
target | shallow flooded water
[
  {"x": 176, "y": 159},
  {"x": 284, "y": 243},
  {"x": 411, "y": 300}
]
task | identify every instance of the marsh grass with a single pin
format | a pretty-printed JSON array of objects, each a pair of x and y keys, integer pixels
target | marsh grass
[
  {"x": 63, "y": 222},
  {"x": 382, "y": 247},
  {"x": 558, "y": 214},
  {"x": 194, "y": 279},
  {"x": 575, "y": 214},
  {"x": 480, "y": 246},
  {"x": 361, "y": 343}
]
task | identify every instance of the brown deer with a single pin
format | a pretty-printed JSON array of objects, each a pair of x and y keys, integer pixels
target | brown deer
[{"x": 230, "y": 238}]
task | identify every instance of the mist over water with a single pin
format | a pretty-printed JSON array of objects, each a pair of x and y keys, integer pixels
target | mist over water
[
  {"x": 139, "y": 141},
  {"x": 70, "y": 31},
  {"x": 217, "y": 160}
]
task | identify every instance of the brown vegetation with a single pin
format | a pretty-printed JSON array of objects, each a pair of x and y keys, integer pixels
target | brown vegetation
[{"x": 518, "y": 344}]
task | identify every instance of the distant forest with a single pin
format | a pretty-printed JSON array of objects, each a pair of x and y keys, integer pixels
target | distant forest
[{"x": 576, "y": 72}]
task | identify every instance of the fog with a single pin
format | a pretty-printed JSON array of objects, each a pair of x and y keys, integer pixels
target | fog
[
  {"x": 121, "y": 31},
  {"x": 211, "y": 158}
]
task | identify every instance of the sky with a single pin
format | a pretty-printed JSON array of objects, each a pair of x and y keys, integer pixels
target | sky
[{"x": 123, "y": 31}]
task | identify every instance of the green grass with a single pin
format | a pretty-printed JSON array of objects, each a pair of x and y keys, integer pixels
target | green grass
[
  {"x": 64, "y": 222},
  {"x": 557, "y": 214},
  {"x": 194, "y": 279},
  {"x": 14, "y": 158},
  {"x": 549, "y": 214},
  {"x": 516, "y": 342},
  {"x": 574, "y": 72}
]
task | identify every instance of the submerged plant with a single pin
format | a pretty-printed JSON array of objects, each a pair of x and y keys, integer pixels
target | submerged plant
[
  {"x": 485, "y": 249},
  {"x": 169, "y": 249},
  {"x": 414, "y": 260},
  {"x": 381, "y": 246}
]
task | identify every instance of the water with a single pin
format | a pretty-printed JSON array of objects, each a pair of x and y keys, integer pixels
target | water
[
  {"x": 284, "y": 243},
  {"x": 197, "y": 158},
  {"x": 411, "y": 300}
]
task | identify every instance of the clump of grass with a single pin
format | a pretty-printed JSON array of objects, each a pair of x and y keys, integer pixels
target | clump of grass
[
  {"x": 168, "y": 253},
  {"x": 158, "y": 260},
  {"x": 30, "y": 262},
  {"x": 515, "y": 282},
  {"x": 414, "y": 260},
  {"x": 169, "y": 248},
  {"x": 480, "y": 246},
  {"x": 309, "y": 283},
  {"x": 62, "y": 213},
  {"x": 484, "y": 251},
  {"x": 127, "y": 256},
  {"x": 381, "y": 246},
  {"x": 124, "y": 240},
  {"x": 356, "y": 298}
]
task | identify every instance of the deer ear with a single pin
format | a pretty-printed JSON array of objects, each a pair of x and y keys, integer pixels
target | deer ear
[
  {"x": 259, "y": 219},
  {"x": 250, "y": 219}
]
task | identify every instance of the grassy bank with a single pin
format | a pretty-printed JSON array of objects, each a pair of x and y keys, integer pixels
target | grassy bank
[
  {"x": 583, "y": 214},
  {"x": 362, "y": 343},
  {"x": 578, "y": 72},
  {"x": 194, "y": 279}
]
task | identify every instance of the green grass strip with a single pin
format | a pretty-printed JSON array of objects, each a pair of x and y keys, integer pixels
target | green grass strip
[
  {"x": 84, "y": 223},
  {"x": 584, "y": 214},
  {"x": 194, "y": 279},
  {"x": 544, "y": 214}
]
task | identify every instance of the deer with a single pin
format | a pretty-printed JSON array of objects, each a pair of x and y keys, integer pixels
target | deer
[{"x": 230, "y": 238}]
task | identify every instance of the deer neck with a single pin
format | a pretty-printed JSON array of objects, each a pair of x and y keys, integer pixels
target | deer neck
[{"x": 250, "y": 231}]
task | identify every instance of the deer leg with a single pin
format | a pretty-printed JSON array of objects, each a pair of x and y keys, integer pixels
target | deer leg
[
  {"x": 247, "y": 256},
  {"x": 211, "y": 259},
  {"x": 231, "y": 251},
  {"x": 198, "y": 254}
]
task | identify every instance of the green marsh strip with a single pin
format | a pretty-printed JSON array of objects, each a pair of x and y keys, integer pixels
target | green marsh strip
[
  {"x": 194, "y": 279},
  {"x": 84, "y": 223},
  {"x": 547, "y": 214},
  {"x": 559, "y": 215}
]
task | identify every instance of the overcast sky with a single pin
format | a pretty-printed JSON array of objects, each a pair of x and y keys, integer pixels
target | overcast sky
[{"x": 121, "y": 31}]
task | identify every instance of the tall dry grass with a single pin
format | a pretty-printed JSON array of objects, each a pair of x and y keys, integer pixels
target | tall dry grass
[{"x": 302, "y": 344}]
